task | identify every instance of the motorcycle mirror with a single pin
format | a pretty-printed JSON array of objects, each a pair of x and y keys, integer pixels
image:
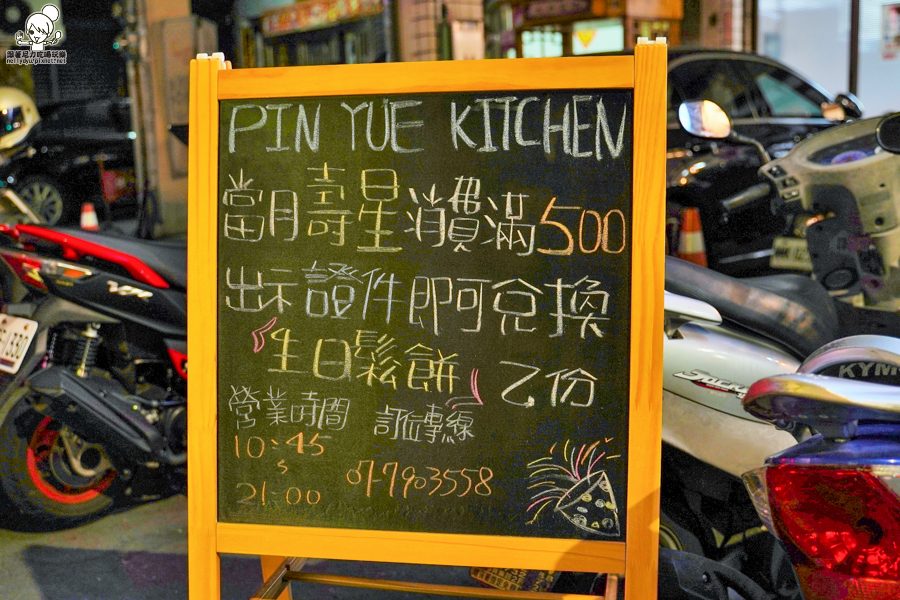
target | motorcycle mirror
[
  {"x": 705, "y": 119},
  {"x": 852, "y": 106},
  {"x": 888, "y": 133}
]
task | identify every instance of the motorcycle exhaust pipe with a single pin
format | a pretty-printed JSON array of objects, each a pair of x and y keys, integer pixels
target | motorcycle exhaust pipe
[{"x": 101, "y": 411}]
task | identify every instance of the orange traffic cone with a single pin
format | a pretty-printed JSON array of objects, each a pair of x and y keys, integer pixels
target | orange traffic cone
[
  {"x": 89, "y": 217},
  {"x": 690, "y": 241}
]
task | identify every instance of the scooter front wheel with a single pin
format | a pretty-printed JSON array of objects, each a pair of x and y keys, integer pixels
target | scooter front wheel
[{"x": 48, "y": 472}]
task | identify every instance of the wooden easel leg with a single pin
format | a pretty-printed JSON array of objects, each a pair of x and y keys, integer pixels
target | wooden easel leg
[
  {"x": 269, "y": 565},
  {"x": 612, "y": 587}
]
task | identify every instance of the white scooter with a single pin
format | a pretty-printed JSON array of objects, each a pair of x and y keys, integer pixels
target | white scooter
[{"x": 722, "y": 334}]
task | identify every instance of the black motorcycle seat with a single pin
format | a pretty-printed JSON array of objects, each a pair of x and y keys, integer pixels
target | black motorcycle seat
[
  {"x": 167, "y": 258},
  {"x": 792, "y": 310}
]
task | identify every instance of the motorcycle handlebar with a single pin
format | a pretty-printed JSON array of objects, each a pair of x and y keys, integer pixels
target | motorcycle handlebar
[{"x": 746, "y": 198}]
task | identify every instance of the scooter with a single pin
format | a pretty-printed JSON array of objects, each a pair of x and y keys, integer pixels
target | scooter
[
  {"x": 838, "y": 193},
  {"x": 722, "y": 334},
  {"x": 94, "y": 371},
  {"x": 834, "y": 499}
]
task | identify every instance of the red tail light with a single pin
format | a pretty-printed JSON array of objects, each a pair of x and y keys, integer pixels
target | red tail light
[
  {"x": 841, "y": 527},
  {"x": 27, "y": 268},
  {"x": 9, "y": 230},
  {"x": 179, "y": 361}
]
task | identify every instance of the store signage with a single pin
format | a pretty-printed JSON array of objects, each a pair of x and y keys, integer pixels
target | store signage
[
  {"x": 550, "y": 9},
  {"x": 316, "y": 14},
  {"x": 890, "y": 31}
]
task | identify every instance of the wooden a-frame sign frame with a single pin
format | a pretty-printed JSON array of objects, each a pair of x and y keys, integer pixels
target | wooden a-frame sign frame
[{"x": 213, "y": 80}]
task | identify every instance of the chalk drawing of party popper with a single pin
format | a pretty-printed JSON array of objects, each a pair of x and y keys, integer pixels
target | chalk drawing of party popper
[{"x": 582, "y": 490}]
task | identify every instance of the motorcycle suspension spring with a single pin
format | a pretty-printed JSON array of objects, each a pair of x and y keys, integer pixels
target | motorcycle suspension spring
[
  {"x": 88, "y": 345},
  {"x": 51, "y": 347}
]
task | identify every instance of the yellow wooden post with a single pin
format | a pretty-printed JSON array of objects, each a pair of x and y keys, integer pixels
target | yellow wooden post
[
  {"x": 203, "y": 561},
  {"x": 648, "y": 274}
]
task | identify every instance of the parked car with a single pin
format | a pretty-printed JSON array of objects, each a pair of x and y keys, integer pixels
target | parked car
[
  {"x": 766, "y": 101},
  {"x": 79, "y": 152}
]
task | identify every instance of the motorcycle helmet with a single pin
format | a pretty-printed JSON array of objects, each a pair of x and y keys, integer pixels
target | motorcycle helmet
[{"x": 18, "y": 116}]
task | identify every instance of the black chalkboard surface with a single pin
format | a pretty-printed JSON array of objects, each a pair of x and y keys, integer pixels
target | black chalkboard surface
[{"x": 424, "y": 312}]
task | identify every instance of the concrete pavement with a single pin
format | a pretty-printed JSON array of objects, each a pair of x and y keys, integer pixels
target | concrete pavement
[
  {"x": 137, "y": 554},
  {"x": 141, "y": 554}
]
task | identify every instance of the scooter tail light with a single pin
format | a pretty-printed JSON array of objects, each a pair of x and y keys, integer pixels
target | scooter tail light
[
  {"x": 755, "y": 482},
  {"x": 820, "y": 584},
  {"x": 9, "y": 230},
  {"x": 179, "y": 361},
  {"x": 27, "y": 268},
  {"x": 841, "y": 527},
  {"x": 889, "y": 476}
]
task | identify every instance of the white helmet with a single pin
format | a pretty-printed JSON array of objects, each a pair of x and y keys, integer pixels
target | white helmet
[{"x": 18, "y": 116}]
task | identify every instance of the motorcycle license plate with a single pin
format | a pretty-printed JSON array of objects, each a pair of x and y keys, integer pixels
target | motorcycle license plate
[
  {"x": 790, "y": 253},
  {"x": 16, "y": 334}
]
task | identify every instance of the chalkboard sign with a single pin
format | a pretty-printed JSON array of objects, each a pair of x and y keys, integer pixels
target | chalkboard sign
[
  {"x": 427, "y": 305},
  {"x": 423, "y": 312}
]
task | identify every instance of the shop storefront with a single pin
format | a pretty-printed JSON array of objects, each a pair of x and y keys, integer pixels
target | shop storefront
[
  {"x": 544, "y": 28},
  {"x": 316, "y": 32}
]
